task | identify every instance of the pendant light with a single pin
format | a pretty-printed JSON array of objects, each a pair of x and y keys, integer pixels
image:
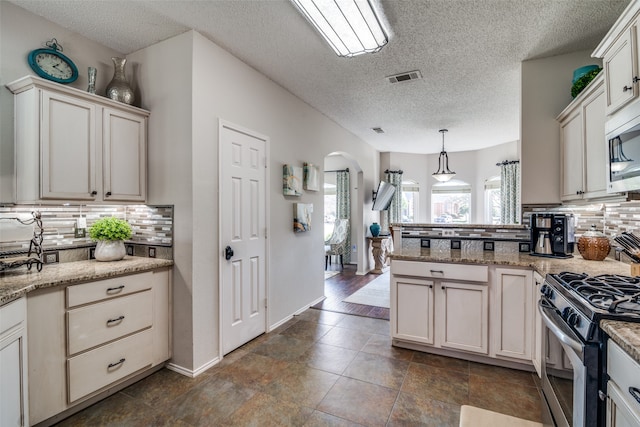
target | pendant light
[{"x": 443, "y": 174}]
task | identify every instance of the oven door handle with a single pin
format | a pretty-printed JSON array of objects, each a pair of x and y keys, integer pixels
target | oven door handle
[{"x": 560, "y": 330}]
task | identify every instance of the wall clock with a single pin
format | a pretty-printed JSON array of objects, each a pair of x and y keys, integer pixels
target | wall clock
[{"x": 51, "y": 64}]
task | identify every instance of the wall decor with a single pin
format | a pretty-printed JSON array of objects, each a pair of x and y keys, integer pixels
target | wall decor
[
  {"x": 311, "y": 177},
  {"x": 50, "y": 63},
  {"x": 291, "y": 180},
  {"x": 118, "y": 88},
  {"x": 302, "y": 217}
]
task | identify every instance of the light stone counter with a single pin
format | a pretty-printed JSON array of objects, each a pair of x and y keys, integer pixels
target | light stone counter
[
  {"x": 18, "y": 282},
  {"x": 542, "y": 265},
  {"x": 625, "y": 334}
]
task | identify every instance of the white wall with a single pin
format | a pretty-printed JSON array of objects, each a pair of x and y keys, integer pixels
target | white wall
[
  {"x": 546, "y": 91},
  {"x": 225, "y": 88},
  {"x": 473, "y": 167},
  {"x": 20, "y": 33}
]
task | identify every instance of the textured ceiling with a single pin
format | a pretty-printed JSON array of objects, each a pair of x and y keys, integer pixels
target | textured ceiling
[{"x": 468, "y": 51}]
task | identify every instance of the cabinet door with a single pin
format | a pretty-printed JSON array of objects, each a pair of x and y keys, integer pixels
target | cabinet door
[
  {"x": 124, "y": 156},
  {"x": 13, "y": 366},
  {"x": 412, "y": 313},
  {"x": 619, "y": 414},
  {"x": 68, "y": 143},
  {"x": 463, "y": 318},
  {"x": 571, "y": 140},
  {"x": 595, "y": 145},
  {"x": 537, "y": 324},
  {"x": 512, "y": 313},
  {"x": 618, "y": 68}
]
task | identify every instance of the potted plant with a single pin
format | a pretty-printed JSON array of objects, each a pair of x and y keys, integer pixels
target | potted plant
[{"x": 110, "y": 234}]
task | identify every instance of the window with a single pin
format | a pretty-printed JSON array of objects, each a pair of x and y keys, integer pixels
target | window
[
  {"x": 492, "y": 197},
  {"x": 451, "y": 202},
  {"x": 409, "y": 204}
]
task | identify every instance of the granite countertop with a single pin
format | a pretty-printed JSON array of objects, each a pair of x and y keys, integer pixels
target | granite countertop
[
  {"x": 16, "y": 283},
  {"x": 463, "y": 226},
  {"x": 542, "y": 265},
  {"x": 625, "y": 334}
]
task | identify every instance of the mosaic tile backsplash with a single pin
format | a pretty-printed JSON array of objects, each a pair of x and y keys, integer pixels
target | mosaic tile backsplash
[{"x": 152, "y": 226}]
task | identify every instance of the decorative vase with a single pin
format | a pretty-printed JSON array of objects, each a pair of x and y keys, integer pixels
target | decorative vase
[
  {"x": 110, "y": 250},
  {"x": 375, "y": 229},
  {"x": 92, "y": 80},
  {"x": 594, "y": 245},
  {"x": 118, "y": 88}
]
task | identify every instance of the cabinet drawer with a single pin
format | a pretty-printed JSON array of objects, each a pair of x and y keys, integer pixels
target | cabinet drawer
[
  {"x": 624, "y": 372},
  {"x": 108, "y": 288},
  {"x": 437, "y": 270},
  {"x": 12, "y": 314},
  {"x": 96, "y": 324},
  {"x": 102, "y": 366}
]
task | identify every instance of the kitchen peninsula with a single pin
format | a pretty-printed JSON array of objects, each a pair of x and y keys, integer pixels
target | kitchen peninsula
[{"x": 478, "y": 302}]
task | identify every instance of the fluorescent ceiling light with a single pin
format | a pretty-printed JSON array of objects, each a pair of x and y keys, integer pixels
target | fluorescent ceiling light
[{"x": 351, "y": 27}]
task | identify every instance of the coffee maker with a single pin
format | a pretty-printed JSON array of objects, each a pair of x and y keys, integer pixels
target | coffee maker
[{"x": 552, "y": 235}]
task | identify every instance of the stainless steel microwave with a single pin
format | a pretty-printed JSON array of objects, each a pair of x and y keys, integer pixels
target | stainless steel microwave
[{"x": 623, "y": 165}]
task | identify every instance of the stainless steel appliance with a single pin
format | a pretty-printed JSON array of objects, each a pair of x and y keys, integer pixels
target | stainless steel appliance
[
  {"x": 572, "y": 306},
  {"x": 623, "y": 166},
  {"x": 552, "y": 235}
]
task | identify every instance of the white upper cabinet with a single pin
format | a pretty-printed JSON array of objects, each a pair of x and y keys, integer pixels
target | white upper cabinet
[
  {"x": 74, "y": 146},
  {"x": 583, "y": 145}
]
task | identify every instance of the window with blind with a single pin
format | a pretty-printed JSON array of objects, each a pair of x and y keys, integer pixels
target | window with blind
[{"x": 451, "y": 202}]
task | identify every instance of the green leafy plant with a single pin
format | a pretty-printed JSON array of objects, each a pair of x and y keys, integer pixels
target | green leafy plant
[
  {"x": 583, "y": 81},
  {"x": 110, "y": 228}
]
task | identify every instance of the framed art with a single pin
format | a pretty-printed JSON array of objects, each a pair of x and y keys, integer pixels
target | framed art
[
  {"x": 291, "y": 180},
  {"x": 311, "y": 177},
  {"x": 302, "y": 217}
]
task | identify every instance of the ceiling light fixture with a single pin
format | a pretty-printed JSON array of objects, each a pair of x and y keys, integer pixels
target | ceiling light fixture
[
  {"x": 351, "y": 27},
  {"x": 443, "y": 174}
]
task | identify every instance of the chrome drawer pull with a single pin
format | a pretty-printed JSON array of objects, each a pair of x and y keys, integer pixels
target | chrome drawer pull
[
  {"x": 113, "y": 365},
  {"x": 118, "y": 319},
  {"x": 635, "y": 392},
  {"x": 117, "y": 289}
]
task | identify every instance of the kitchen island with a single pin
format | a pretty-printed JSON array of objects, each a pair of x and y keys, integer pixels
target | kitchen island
[{"x": 476, "y": 305}]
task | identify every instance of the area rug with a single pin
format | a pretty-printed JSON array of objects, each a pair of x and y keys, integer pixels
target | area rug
[
  {"x": 375, "y": 293},
  {"x": 470, "y": 416},
  {"x": 330, "y": 274}
]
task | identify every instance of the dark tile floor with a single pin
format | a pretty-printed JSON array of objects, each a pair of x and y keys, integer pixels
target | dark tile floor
[{"x": 320, "y": 369}]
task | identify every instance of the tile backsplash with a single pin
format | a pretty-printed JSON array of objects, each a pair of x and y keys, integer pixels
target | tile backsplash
[{"x": 152, "y": 227}]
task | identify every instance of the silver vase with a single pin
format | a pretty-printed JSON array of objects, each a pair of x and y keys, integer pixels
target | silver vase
[
  {"x": 118, "y": 88},
  {"x": 92, "y": 80}
]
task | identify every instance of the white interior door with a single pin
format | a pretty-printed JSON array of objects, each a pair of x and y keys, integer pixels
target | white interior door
[{"x": 242, "y": 230}]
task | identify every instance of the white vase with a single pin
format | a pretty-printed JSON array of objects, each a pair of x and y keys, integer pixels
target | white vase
[{"x": 110, "y": 250}]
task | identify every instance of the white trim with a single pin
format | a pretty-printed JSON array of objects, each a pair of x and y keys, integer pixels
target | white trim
[
  {"x": 267, "y": 186},
  {"x": 291, "y": 316},
  {"x": 192, "y": 373}
]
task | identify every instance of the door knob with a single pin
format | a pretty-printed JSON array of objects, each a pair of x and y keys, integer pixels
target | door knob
[{"x": 228, "y": 253}]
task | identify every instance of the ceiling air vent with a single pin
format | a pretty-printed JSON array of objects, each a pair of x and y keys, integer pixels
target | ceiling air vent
[
  {"x": 405, "y": 77},
  {"x": 378, "y": 130}
]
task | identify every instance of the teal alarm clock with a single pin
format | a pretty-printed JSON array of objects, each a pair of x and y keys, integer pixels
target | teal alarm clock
[{"x": 50, "y": 63}]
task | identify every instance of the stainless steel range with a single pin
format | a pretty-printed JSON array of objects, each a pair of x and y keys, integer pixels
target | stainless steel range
[{"x": 572, "y": 306}]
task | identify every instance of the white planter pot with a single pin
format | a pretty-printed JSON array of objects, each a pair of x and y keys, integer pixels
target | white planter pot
[{"x": 110, "y": 250}]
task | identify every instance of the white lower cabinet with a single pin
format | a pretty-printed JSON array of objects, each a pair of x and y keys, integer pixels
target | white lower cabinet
[
  {"x": 13, "y": 364},
  {"x": 440, "y": 309},
  {"x": 484, "y": 310},
  {"x": 623, "y": 388},
  {"x": 90, "y": 337},
  {"x": 512, "y": 309}
]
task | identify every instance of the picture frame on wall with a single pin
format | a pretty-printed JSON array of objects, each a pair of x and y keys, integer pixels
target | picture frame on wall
[
  {"x": 302, "y": 217},
  {"x": 291, "y": 180},
  {"x": 311, "y": 177}
]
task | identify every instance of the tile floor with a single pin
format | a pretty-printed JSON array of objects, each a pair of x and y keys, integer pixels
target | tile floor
[{"x": 320, "y": 369}]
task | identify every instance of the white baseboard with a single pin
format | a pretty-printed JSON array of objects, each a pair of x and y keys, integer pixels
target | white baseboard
[
  {"x": 192, "y": 373},
  {"x": 301, "y": 310}
]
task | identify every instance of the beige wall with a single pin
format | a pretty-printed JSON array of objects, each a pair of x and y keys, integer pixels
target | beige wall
[{"x": 546, "y": 91}]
